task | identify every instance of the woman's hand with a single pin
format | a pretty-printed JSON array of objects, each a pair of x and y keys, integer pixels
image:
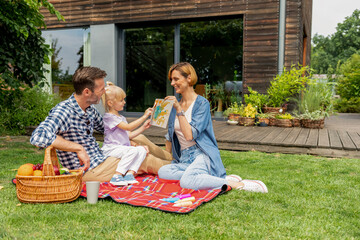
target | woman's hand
[{"x": 176, "y": 103}]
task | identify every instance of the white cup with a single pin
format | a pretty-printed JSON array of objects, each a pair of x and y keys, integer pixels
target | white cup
[{"x": 92, "y": 191}]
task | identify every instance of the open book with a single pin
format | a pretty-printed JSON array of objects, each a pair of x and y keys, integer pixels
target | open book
[{"x": 161, "y": 113}]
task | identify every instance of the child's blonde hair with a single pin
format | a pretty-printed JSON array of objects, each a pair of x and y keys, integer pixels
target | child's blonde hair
[{"x": 112, "y": 92}]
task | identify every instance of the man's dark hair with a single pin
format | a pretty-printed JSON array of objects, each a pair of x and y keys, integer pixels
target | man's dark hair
[{"x": 85, "y": 77}]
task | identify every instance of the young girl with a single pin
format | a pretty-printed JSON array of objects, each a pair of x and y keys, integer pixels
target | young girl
[{"x": 118, "y": 133}]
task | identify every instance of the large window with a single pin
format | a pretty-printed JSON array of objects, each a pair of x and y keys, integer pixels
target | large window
[
  {"x": 214, "y": 48},
  {"x": 149, "y": 54},
  {"x": 68, "y": 53}
]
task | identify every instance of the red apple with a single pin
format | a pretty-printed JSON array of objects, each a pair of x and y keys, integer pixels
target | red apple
[{"x": 56, "y": 170}]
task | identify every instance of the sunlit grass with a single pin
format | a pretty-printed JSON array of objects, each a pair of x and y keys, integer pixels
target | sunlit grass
[{"x": 309, "y": 198}]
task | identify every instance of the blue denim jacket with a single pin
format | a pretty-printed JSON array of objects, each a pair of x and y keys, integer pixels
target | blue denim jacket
[{"x": 203, "y": 134}]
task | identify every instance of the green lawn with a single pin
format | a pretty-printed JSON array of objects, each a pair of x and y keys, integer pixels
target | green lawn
[{"x": 309, "y": 198}]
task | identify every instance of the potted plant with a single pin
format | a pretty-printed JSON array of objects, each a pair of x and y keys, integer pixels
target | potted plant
[
  {"x": 256, "y": 99},
  {"x": 314, "y": 105},
  {"x": 315, "y": 119},
  {"x": 263, "y": 119},
  {"x": 296, "y": 119},
  {"x": 248, "y": 116},
  {"x": 233, "y": 112},
  {"x": 285, "y": 86},
  {"x": 219, "y": 96},
  {"x": 284, "y": 120},
  {"x": 272, "y": 118}
]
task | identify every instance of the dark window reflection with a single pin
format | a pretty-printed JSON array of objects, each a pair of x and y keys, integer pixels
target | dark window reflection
[
  {"x": 214, "y": 48},
  {"x": 149, "y": 54}
]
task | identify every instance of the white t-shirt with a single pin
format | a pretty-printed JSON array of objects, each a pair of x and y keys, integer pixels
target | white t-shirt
[{"x": 183, "y": 142}]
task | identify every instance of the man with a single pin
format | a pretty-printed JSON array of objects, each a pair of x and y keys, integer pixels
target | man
[{"x": 70, "y": 125}]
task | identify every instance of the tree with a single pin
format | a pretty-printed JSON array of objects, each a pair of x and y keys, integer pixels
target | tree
[
  {"x": 328, "y": 51},
  {"x": 55, "y": 60},
  {"x": 22, "y": 48}
]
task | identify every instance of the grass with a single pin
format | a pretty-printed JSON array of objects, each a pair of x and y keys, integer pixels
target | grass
[{"x": 309, "y": 198}]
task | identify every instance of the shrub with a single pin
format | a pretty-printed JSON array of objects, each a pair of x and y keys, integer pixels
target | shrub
[
  {"x": 249, "y": 111},
  {"x": 349, "y": 81},
  {"x": 234, "y": 108},
  {"x": 288, "y": 84},
  {"x": 22, "y": 108},
  {"x": 316, "y": 97},
  {"x": 256, "y": 99},
  {"x": 351, "y": 105}
]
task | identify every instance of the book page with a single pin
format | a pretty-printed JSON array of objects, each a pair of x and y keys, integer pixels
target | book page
[{"x": 161, "y": 113}]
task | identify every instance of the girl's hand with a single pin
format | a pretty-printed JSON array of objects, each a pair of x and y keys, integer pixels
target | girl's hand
[
  {"x": 176, "y": 103},
  {"x": 147, "y": 149},
  {"x": 148, "y": 112},
  {"x": 132, "y": 143},
  {"x": 146, "y": 124}
]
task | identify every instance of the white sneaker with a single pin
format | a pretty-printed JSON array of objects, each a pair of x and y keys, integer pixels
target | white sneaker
[
  {"x": 253, "y": 186},
  {"x": 233, "y": 177},
  {"x": 118, "y": 180}
]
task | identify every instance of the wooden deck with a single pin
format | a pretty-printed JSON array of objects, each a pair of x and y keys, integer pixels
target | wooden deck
[{"x": 322, "y": 142}]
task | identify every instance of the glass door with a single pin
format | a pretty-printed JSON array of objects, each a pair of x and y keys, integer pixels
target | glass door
[{"x": 149, "y": 54}]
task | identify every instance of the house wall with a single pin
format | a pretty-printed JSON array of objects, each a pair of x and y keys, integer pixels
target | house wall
[
  {"x": 261, "y": 21},
  {"x": 298, "y": 26}
]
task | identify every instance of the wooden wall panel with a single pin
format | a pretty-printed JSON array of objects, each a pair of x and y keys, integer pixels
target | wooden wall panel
[
  {"x": 90, "y": 12},
  {"x": 292, "y": 50},
  {"x": 261, "y": 26},
  {"x": 261, "y": 20}
]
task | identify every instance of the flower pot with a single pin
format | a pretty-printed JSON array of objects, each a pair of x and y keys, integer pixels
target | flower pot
[
  {"x": 283, "y": 123},
  {"x": 233, "y": 117},
  {"x": 274, "y": 110},
  {"x": 264, "y": 120},
  {"x": 272, "y": 121},
  {"x": 309, "y": 123},
  {"x": 296, "y": 122},
  {"x": 246, "y": 121},
  {"x": 218, "y": 114}
]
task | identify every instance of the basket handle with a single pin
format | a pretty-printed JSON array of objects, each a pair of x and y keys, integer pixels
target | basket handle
[{"x": 50, "y": 160}]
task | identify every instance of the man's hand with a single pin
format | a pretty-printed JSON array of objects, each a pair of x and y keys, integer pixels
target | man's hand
[
  {"x": 69, "y": 146},
  {"x": 84, "y": 159}
]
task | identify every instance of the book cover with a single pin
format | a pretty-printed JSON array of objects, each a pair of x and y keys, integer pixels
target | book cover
[{"x": 161, "y": 113}]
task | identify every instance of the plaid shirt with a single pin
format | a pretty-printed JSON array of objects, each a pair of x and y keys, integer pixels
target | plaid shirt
[{"x": 68, "y": 120}]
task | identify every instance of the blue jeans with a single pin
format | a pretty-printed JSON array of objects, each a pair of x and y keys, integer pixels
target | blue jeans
[{"x": 192, "y": 171}]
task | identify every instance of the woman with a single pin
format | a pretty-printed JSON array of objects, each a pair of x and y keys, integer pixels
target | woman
[{"x": 197, "y": 163}]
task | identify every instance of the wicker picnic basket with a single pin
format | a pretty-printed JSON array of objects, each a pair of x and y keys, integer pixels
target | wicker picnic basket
[{"x": 49, "y": 188}]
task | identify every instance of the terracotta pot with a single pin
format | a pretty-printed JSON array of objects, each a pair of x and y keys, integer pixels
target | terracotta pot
[
  {"x": 308, "y": 123},
  {"x": 246, "y": 121},
  {"x": 274, "y": 110},
  {"x": 283, "y": 123},
  {"x": 233, "y": 117},
  {"x": 264, "y": 120}
]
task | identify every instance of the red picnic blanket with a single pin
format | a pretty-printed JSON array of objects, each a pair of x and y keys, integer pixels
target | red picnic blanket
[{"x": 150, "y": 190}]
